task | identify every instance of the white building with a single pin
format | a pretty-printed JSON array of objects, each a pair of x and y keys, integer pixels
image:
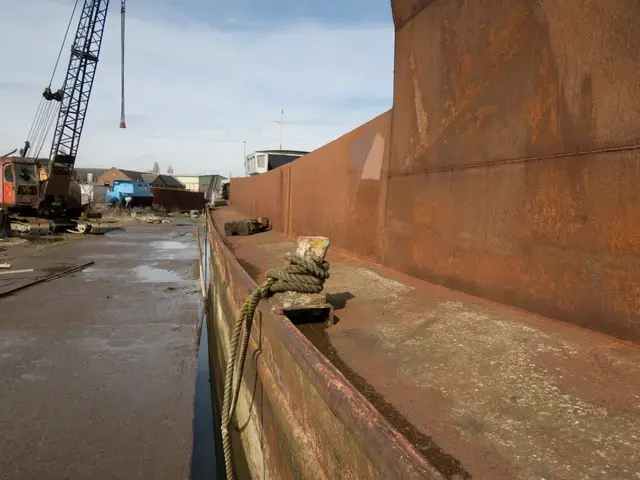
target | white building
[
  {"x": 201, "y": 183},
  {"x": 261, "y": 161},
  {"x": 195, "y": 183}
]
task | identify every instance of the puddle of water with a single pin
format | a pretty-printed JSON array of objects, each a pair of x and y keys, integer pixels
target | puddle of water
[
  {"x": 121, "y": 244},
  {"x": 106, "y": 256},
  {"x": 142, "y": 273},
  {"x": 168, "y": 245},
  {"x": 93, "y": 273},
  {"x": 173, "y": 250},
  {"x": 146, "y": 273}
]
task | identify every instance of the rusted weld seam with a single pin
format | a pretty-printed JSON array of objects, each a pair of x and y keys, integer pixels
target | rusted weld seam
[
  {"x": 413, "y": 15},
  {"x": 289, "y": 190},
  {"x": 518, "y": 160},
  {"x": 384, "y": 170}
]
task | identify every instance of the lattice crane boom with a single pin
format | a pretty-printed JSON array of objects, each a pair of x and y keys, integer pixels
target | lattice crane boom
[{"x": 74, "y": 95}]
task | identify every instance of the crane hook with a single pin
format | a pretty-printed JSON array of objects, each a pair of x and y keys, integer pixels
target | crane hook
[{"x": 123, "y": 9}]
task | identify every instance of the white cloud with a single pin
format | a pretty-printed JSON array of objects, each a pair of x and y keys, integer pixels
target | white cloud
[{"x": 195, "y": 93}]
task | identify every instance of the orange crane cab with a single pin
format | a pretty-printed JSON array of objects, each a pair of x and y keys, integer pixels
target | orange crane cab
[{"x": 19, "y": 183}]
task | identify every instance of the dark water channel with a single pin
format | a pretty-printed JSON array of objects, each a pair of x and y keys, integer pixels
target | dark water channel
[{"x": 207, "y": 462}]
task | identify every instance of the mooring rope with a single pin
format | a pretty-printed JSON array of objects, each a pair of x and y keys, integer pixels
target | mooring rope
[{"x": 302, "y": 276}]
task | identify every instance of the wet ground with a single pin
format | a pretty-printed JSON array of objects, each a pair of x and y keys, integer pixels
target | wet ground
[{"x": 97, "y": 369}]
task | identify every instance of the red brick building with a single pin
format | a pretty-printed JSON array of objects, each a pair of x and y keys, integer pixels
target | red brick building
[{"x": 113, "y": 173}]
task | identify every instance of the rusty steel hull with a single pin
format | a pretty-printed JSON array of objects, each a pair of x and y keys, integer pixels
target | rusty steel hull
[
  {"x": 338, "y": 189},
  {"x": 507, "y": 167},
  {"x": 297, "y": 416},
  {"x": 515, "y": 155},
  {"x": 267, "y": 193},
  {"x": 481, "y": 390},
  {"x": 171, "y": 199}
]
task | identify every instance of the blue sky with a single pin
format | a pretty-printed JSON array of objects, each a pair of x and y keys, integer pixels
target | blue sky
[
  {"x": 246, "y": 13},
  {"x": 204, "y": 76}
]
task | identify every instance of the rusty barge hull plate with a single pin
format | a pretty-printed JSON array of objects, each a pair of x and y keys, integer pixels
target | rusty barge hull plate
[
  {"x": 298, "y": 415},
  {"x": 507, "y": 168},
  {"x": 481, "y": 390}
]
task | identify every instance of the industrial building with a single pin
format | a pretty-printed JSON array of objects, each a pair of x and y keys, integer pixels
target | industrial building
[
  {"x": 201, "y": 183},
  {"x": 162, "y": 181},
  {"x": 261, "y": 161}
]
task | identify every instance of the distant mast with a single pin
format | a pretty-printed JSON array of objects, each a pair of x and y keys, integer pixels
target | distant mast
[
  {"x": 281, "y": 126},
  {"x": 282, "y": 123}
]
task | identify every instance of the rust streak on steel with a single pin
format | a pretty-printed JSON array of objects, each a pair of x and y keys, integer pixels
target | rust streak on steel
[
  {"x": 507, "y": 161},
  {"x": 395, "y": 455}
]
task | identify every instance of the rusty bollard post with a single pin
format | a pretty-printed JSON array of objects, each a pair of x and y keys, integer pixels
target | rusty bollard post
[{"x": 306, "y": 307}]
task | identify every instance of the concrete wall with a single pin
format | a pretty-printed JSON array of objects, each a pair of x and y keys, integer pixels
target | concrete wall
[{"x": 513, "y": 160}]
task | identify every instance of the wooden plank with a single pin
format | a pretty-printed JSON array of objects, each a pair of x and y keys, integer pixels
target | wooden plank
[{"x": 24, "y": 270}]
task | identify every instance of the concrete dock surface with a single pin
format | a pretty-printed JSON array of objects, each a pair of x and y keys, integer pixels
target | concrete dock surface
[{"x": 97, "y": 368}]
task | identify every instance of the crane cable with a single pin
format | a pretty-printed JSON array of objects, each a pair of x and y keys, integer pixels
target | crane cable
[
  {"x": 43, "y": 126},
  {"x": 33, "y": 124},
  {"x": 123, "y": 9},
  {"x": 49, "y": 124},
  {"x": 47, "y": 109},
  {"x": 45, "y": 114},
  {"x": 64, "y": 40},
  {"x": 34, "y": 137}
]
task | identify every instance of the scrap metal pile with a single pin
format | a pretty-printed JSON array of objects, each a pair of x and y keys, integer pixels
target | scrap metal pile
[{"x": 20, "y": 226}]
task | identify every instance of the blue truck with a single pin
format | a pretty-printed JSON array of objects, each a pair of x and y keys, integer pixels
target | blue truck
[{"x": 129, "y": 194}]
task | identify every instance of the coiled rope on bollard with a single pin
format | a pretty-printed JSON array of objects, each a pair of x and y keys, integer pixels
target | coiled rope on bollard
[{"x": 301, "y": 275}]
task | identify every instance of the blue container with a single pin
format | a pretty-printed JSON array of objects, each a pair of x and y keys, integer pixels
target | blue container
[{"x": 129, "y": 193}]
